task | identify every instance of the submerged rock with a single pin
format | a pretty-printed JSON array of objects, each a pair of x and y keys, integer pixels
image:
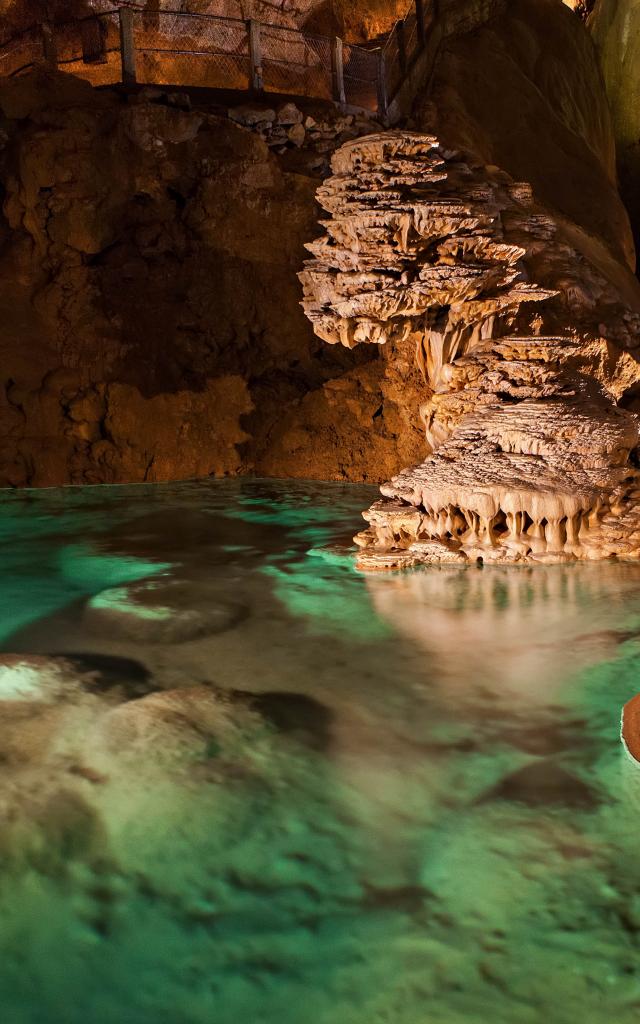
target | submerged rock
[
  {"x": 31, "y": 678},
  {"x": 544, "y": 783},
  {"x": 111, "y": 674},
  {"x": 162, "y": 612},
  {"x": 293, "y": 714}
]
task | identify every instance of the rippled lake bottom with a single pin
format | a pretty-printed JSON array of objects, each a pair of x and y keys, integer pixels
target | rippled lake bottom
[{"x": 241, "y": 783}]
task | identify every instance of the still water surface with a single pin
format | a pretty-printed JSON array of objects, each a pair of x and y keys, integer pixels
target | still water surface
[{"x": 241, "y": 782}]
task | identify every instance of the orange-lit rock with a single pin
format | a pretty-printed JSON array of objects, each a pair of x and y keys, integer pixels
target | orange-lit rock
[
  {"x": 630, "y": 727},
  {"x": 352, "y": 19},
  {"x": 151, "y": 326},
  {"x": 149, "y": 252}
]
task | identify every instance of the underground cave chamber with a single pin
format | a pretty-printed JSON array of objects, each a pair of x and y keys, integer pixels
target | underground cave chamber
[{"x": 319, "y": 518}]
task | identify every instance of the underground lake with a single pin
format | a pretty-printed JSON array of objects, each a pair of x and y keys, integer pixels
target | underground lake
[
  {"x": 319, "y": 512},
  {"x": 242, "y": 781}
]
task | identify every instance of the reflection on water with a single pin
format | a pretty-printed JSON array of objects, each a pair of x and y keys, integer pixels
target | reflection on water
[
  {"x": 243, "y": 782},
  {"x": 518, "y": 631}
]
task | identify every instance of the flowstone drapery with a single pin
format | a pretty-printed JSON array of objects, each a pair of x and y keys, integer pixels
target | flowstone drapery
[{"x": 527, "y": 345}]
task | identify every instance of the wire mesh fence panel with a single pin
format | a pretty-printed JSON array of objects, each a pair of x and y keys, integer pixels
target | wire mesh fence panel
[
  {"x": 392, "y": 66},
  {"x": 90, "y": 48},
  {"x": 76, "y": 39},
  {"x": 294, "y": 62},
  {"x": 180, "y": 48},
  {"x": 361, "y": 77},
  {"x": 21, "y": 53},
  {"x": 405, "y": 43},
  {"x": 191, "y": 49}
]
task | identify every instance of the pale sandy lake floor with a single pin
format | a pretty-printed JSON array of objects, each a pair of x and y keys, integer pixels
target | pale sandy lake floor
[{"x": 243, "y": 784}]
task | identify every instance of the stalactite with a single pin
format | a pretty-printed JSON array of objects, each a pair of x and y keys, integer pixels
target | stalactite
[{"x": 514, "y": 333}]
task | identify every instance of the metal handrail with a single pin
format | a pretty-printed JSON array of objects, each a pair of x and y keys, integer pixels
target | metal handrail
[{"x": 390, "y": 63}]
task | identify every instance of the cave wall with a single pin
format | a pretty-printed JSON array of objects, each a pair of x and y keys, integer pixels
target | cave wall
[
  {"x": 615, "y": 28},
  {"x": 351, "y": 19},
  {"x": 525, "y": 93},
  {"x": 150, "y": 310}
]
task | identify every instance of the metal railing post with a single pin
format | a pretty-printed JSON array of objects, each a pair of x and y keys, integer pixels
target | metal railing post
[
  {"x": 402, "y": 46},
  {"x": 127, "y": 46},
  {"x": 49, "y": 49},
  {"x": 382, "y": 85},
  {"x": 420, "y": 20},
  {"x": 337, "y": 66},
  {"x": 256, "y": 83}
]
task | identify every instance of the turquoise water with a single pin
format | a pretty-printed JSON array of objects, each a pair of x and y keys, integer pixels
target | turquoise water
[{"x": 243, "y": 782}]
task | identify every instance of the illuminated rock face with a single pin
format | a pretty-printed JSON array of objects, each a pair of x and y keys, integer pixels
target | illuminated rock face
[
  {"x": 525, "y": 342},
  {"x": 217, "y": 371},
  {"x": 352, "y": 19},
  {"x": 630, "y": 728}
]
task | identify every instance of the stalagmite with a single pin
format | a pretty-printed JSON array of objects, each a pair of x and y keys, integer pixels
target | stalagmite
[{"x": 527, "y": 349}]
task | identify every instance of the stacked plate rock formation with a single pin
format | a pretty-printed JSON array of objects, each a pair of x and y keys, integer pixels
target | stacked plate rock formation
[{"x": 525, "y": 343}]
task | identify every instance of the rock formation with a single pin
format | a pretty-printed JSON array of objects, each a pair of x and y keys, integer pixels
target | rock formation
[
  {"x": 492, "y": 239},
  {"x": 630, "y": 728},
  {"x": 527, "y": 347},
  {"x": 149, "y": 244},
  {"x": 151, "y": 326},
  {"x": 355, "y": 21}
]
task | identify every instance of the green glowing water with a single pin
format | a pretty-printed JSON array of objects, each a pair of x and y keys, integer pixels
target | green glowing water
[{"x": 393, "y": 799}]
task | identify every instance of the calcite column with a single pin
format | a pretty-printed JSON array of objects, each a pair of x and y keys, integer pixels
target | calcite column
[{"x": 526, "y": 349}]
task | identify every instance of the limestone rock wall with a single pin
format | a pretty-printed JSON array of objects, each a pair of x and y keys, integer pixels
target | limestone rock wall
[
  {"x": 352, "y": 19},
  {"x": 525, "y": 93},
  {"x": 149, "y": 252},
  {"x": 615, "y": 28},
  {"x": 151, "y": 321}
]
